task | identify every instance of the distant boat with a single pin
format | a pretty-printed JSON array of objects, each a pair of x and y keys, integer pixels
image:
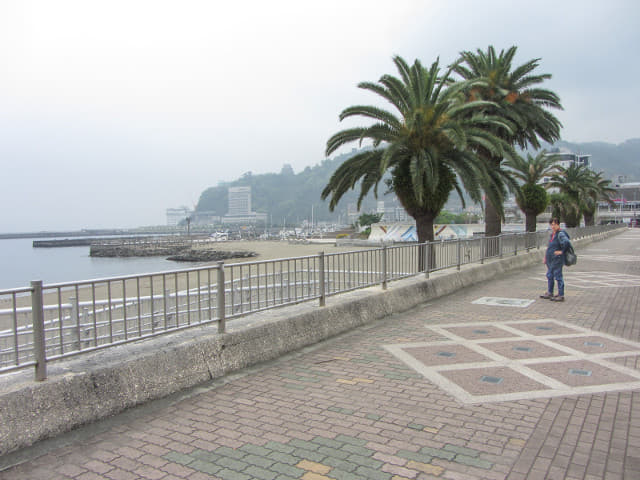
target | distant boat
[{"x": 220, "y": 236}]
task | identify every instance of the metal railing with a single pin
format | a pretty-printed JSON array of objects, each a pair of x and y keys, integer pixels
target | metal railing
[{"x": 44, "y": 323}]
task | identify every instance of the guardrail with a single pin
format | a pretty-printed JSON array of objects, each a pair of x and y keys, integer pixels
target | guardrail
[{"x": 44, "y": 323}]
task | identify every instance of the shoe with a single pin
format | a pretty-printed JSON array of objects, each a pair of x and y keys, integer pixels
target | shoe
[
  {"x": 547, "y": 296},
  {"x": 557, "y": 298}
]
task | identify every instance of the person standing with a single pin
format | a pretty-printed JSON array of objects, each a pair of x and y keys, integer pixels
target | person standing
[{"x": 554, "y": 260}]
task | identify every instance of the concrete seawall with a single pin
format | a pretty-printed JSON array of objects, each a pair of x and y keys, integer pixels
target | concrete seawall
[{"x": 95, "y": 386}]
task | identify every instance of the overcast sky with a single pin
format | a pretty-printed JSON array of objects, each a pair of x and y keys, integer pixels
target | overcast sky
[{"x": 113, "y": 111}]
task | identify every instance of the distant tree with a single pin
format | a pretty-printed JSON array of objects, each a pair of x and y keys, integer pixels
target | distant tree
[
  {"x": 446, "y": 217},
  {"x": 600, "y": 190},
  {"x": 531, "y": 197},
  {"x": 516, "y": 97},
  {"x": 367, "y": 219},
  {"x": 563, "y": 207},
  {"x": 427, "y": 147},
  {"x": 287, "y": 170},
  {"x": 575, "y": 183}
]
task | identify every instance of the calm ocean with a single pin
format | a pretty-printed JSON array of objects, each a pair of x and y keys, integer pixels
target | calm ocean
[{"x": 20, "y": 263}]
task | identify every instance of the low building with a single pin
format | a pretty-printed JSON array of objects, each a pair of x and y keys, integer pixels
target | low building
[{"x": 177, "y": 215}]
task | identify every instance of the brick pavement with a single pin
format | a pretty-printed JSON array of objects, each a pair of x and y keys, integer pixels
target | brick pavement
[{"x": 349, "y": 408}]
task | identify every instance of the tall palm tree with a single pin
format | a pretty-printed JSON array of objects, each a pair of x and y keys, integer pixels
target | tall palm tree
[
  {"x": 424, "y": 149},
  {"x": 576, "y": 183},
  {"x": 600, "y": 190},
  {"x": 531, "y": 196},
  {"x": 516, "y": 96}
]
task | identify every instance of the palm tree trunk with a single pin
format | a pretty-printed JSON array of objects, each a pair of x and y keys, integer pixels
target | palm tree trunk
[
  {"x": 492, "y": 220},
  {"x": 424, "y": 228},
  {"x": 530, "y": 222},
  {"x": 589, "y": 219}
]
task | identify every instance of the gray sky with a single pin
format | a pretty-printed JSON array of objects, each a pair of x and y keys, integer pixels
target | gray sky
[{"x": 113, "y": 111}]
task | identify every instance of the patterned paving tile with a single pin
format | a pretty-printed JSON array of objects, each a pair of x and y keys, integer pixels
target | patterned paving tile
[{"x": 482, "y": 362}]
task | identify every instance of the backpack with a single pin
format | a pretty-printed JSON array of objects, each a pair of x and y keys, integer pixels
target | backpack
[{"x": 570, "y": 257}]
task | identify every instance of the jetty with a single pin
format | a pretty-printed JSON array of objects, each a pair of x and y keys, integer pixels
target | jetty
[{"x": 181, "y": 249}]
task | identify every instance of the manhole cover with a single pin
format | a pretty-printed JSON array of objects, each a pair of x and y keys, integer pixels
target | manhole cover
[{"x": 580, "y": 373}]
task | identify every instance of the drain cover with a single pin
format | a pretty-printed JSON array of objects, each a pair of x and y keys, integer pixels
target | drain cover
[
  {"x": 594, "y": 344},
  {"x": 481, "y": 332},
  {"x": 488, "y": 379},
  {"x": 446, "y": 354},
  {"x": 523, "y": 349},
  {"x": 581, "y": 373}
]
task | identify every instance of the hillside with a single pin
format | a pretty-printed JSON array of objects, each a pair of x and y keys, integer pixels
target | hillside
[
  {"x": 613, "y": 160},
  {"x": 289, "y": 197}
]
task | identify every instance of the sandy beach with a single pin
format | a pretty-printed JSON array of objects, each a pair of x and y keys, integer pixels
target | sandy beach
[{"x": 271, "y": 249}]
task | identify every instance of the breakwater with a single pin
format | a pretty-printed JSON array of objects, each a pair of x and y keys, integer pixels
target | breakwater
[
  {"x": 67, "y": 242},
  {"x": 176, "y": 250}
]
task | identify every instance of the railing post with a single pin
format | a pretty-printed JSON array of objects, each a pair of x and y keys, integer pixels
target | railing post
[
  {"x": 37, "y": 317},
  {"x": 459, "y": 248},
  {"x": 384, "y": 267},
  {"x": 427, "y": 248},
  {"x": 482, "y": 247},
  {"x": 322, "y": 299},
  {"x": 500, "y": 245},
  {"x": 515, "y": 244},
  {"x": 75, "y": 316},
  {"x": 221, "y": 299}
]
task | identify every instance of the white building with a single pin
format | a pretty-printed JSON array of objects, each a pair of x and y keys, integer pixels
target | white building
[
  {"x": 239, "y": 201},
  {"x": 239, "y": 211}
]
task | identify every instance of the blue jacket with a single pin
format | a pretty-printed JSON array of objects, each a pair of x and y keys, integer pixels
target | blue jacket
[{"x": 559, "y": 241}]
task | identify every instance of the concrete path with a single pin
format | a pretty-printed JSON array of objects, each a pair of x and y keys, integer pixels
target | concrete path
[{"x": 490, "y": 383}]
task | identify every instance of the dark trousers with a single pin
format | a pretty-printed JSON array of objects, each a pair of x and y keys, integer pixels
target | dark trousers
[{"x": 554, "y": 274}]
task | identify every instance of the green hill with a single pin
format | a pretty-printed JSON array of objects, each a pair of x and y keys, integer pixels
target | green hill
[{"x": 288, "y": 197}]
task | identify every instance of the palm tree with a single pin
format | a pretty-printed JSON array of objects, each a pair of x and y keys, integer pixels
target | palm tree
[
  {"x": 515, "y": 95},
  {"x": 576, "y": 183},
  {"x": 424, "y": 150},
  {"x": 600, "y": 191},
  {"x": 531, "y": 196},
  {"x": 562, "y": 206}
]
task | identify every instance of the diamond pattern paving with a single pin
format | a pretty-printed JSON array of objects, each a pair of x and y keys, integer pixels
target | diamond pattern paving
[{"x": 480, "y": 362}]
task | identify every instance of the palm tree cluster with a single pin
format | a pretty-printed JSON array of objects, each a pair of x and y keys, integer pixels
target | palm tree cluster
[
  {"x": 448, "y": 130},
  {"x": 579, "y": 191}
]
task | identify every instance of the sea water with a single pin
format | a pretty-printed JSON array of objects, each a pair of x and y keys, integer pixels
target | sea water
[{"x": 20, "y": 263}]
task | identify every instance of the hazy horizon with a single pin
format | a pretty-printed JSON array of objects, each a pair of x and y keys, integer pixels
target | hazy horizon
[{"x": 114, "y": 112}]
